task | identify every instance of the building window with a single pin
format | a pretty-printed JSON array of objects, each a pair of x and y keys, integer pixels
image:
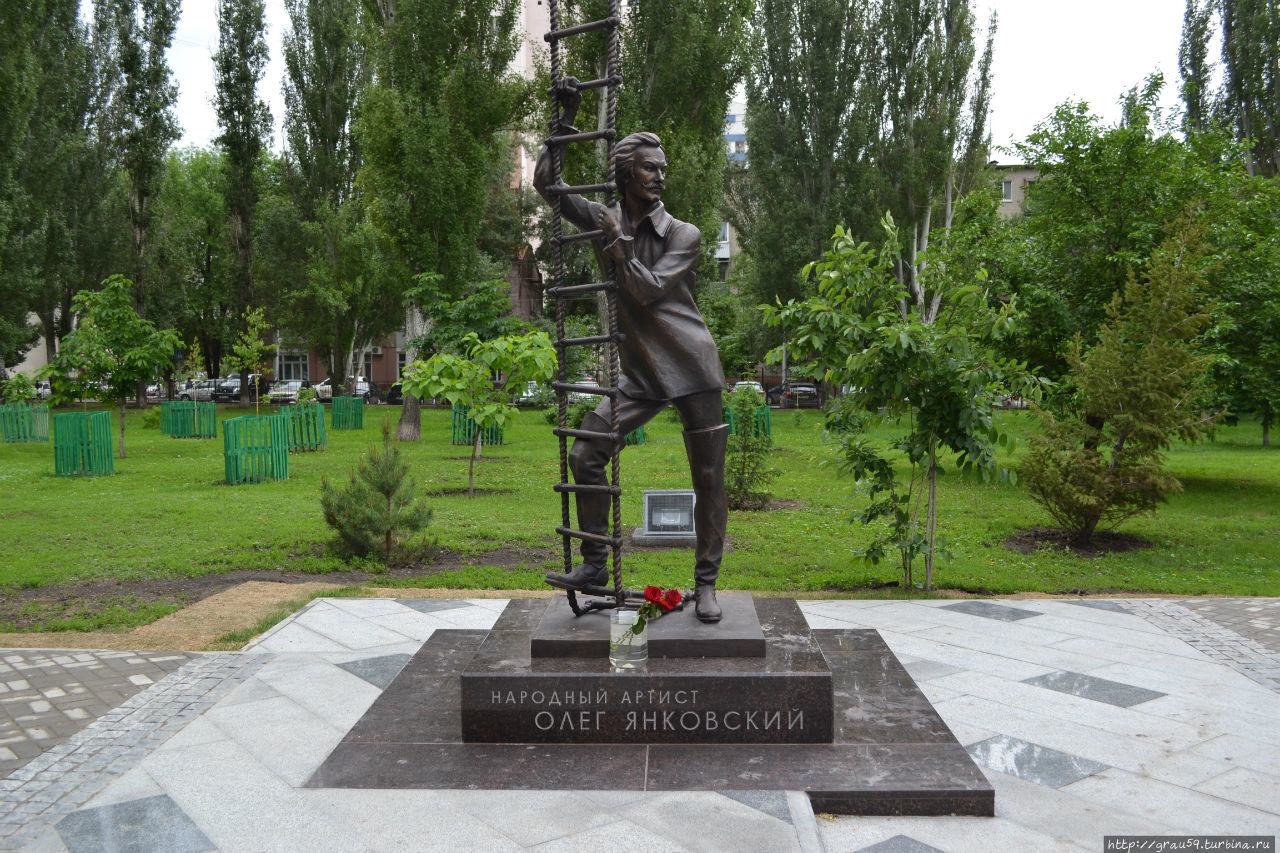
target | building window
[
  {"x": 293, "y": 366},
  {"x": 1006, "y": 190},
  {"x": 402, "y": 358},
  {"x": 739, "y": 147}
]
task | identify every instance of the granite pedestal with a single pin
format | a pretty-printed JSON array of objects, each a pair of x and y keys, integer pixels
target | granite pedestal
[{"x": 890, "y": 752}]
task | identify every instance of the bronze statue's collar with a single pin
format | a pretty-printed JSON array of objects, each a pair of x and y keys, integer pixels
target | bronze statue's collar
[{"x": 660, "y": 219}]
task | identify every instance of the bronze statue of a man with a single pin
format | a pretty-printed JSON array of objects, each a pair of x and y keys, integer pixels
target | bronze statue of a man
[{"x": 667, "y": 354}]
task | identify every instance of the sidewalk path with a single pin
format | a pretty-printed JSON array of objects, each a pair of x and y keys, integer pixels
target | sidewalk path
[{"x": 1090, "y": 718}]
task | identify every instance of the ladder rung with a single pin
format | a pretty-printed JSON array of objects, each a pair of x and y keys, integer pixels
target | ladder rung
[
  {"x": 565, "y": 239},
  {"x": 574, "y": 289},
  {"x": 616, "y": 80},
  {"x": 588, "y": 489},
  {"x": 585, "y": 389},
  {"x": 586, "y": 136},
  {"x": 589, "y": 27},
  {"x": 582, "y": 342},
  {"x": 565, "y": 189},
  {"x": 590, "y": 537},
  {"x": 566, "y": 432}
]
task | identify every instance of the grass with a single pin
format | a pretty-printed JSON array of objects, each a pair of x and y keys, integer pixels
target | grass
[{"x": 165, "y": 513}]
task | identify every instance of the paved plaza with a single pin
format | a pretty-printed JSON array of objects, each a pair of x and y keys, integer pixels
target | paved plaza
[{"x": 1090, "y": 718}]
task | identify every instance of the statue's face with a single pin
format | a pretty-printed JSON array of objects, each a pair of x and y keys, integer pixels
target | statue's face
[{"x": 648, "y": 174}]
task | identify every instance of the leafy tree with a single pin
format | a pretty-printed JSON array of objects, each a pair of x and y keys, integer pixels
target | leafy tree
[
  {"x": 433, "y": 124},
  {"x": 853, "y": 109},
  {"x": 239, "y": 64},
  {"x": 19, "y": 388},
  {"x": 190, "y": 252},
  {"x": 141, "y": 119},
  {"x": 249, "y": 353},
  {"x": 1251, "y": 66},
  {"x": 112, "y": 346},
  {"x": 487, "y": 380},
  {"x": 378, "y": 513},
  {"x": 1105, "y": 200},
  {"x": 924, "y": 356},
  {"x": 1134, "y": 392},
  {"x": 1195, "y": 67}
]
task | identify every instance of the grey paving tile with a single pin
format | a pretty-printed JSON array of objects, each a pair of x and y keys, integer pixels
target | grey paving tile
[
  {"x": 1111, "y": 606},
  {"x": 1033, "y": 762},
  {"x": 900, "y": 844},
  {"x": 379, "y": 671},
  {"x": 923, "y": 670},
  {"x": 1248, "y": 787},
  {"x": 431, "y": 605},
  {"x": 772, "y": 803},
  {"x": 991, "y": 610},
  {"x": 1183, "y": 810},
  {"x": 137, "y": 826},
  {"x": 1097, "y": 689}
]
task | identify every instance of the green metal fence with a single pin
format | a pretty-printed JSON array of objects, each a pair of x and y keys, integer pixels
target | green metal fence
[
  {"x": 256, "y": 448},
  {"x": 24, "y": 422},
  {"x": 348, "y": 413},
  {"x": 189, "y": 419},
  {"x": 304, "y": 427},
  {"x": 464, "y": 430},
  {"x": 636, "y": 437},
  {"x": 763, "y": 424},
  {"x": 82, "y": 444}
]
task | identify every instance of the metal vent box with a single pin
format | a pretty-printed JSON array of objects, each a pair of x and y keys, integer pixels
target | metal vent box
[{"x": 668, "y": 515}]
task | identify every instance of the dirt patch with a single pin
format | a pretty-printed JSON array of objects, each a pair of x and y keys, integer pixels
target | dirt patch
[
  {"x": 193, "y": 628},
  {"x": 1107, "y": 542},
  {"x": 28, "y": 609}
]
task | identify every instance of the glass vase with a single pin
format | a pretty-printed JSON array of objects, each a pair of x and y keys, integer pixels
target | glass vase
[{"x": 627, "y": 649}]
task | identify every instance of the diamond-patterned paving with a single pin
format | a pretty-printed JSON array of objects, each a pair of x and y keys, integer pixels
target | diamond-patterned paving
[{"x": 47, "y": 696}]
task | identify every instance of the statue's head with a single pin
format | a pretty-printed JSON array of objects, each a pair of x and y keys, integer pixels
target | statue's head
[{"x": 641, "y": 165}]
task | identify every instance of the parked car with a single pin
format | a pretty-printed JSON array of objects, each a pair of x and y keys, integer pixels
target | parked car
[
  {"x": 201, "y": 391},
  {"x": 285, "y": 393},
  {"x": 44, "y": 389},
  {"x": 395, "y": 395},
  {"x": 228, "y": 390},
  {"x": 748, "y": 383},
  {"x": 365, "y": 389},
  {"x": 795, "y": 394}
]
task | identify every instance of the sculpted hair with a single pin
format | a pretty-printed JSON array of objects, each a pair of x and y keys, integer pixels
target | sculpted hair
[{"x": 624, "y": 154}]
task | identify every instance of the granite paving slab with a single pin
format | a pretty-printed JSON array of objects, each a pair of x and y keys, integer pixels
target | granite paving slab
[{"x": 1097, "y": 689}]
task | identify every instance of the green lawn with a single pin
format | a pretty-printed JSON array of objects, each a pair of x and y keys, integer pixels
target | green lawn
[{"x": 165, "y": 513}]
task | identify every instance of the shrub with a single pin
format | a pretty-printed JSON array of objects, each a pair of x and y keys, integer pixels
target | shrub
[
  {"x": 746, "y": 469},
  {"x": 1135, "y": 392},
  {"x": 377, "y": 513}
]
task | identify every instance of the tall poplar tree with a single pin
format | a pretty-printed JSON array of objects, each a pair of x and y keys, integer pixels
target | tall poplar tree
[
  {"x": 1195, "y": 66},
  {"x": 239, "y": 64},
  {"x": 439, "y": 114},
  {"x": 1251, "y": 62},
  {"x": 141, "y": 118}
]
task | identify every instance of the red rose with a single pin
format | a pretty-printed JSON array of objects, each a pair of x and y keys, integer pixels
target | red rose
[
  {"x": 672, "y": 599},
  {"x": 653, "y": 593}
]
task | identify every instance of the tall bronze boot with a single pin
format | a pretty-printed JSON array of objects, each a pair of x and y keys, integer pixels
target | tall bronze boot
[
  {"x": 588, "y": 460},
  {"x": 706, "y": 448}
]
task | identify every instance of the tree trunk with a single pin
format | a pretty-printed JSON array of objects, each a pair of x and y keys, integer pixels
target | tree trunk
[
  {"x": 1266, "y": 427},
  {"x": 931, "y": 521},
  {"x": 410, "y": 427},
  {"x": 121, "y": 427},
  {"x": 471, "y": 469}
]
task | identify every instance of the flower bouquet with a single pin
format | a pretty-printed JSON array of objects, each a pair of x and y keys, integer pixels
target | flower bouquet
[{"x": 628, "y": 647}]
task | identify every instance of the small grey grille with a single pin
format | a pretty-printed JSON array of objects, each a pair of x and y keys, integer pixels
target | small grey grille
[{"x": 669, "y": 512}]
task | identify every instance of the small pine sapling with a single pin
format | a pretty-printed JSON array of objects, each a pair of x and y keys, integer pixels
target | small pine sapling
[
  {"x": 746, "y": 470},
  {"x": 376, "y": 513}
]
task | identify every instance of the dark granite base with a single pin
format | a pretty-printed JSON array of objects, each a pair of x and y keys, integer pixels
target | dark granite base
[
  {"x": 510, "y": 695},
  {"x": 893, "y": 755},
  {"x": 679, "y": 634}
]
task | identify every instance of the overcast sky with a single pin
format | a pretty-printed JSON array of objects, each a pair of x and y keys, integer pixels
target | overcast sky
[{"x": 1046, "y": 52}]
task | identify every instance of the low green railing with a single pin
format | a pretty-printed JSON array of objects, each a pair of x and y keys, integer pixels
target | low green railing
[
  {"x": 255, "y": 448},
  {"x": 82, "y": 444},
  {"x": 763, "y": 424},
  {"x": 24, "y": 422},
  {"x": 189, "y": 419},
  {"x": 464, "y": 430},
  {"x": 348, "y": 413},
  {"x": 304, "y": 427},
  {"x": 636, "y": 437}
]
